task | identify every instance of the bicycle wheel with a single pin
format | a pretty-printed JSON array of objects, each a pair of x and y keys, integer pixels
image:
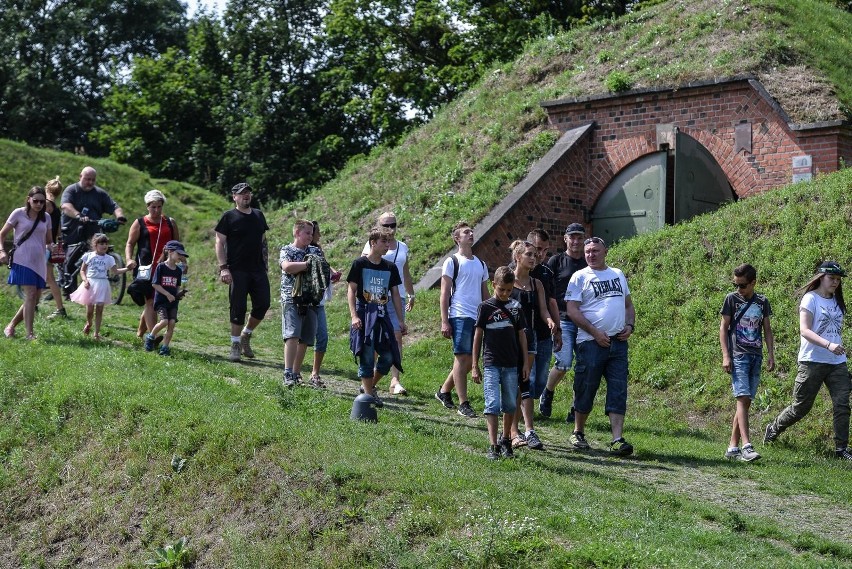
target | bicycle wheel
[{"x": 117, "y": 283}]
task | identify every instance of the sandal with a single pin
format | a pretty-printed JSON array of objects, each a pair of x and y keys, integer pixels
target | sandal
[
  {"x": 9, "y": 331},
  {"x": 87, "y": 328},
  {"x": 317, "y": 382},
  {"x": 398, "y": 389},
  {"x": 31, "y": 337}
]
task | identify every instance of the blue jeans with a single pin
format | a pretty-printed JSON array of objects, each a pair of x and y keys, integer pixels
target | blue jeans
[
  {"x": 541, "y": 366},
  {"x": 321, "y": 344},
  {"x": 500, "y": 389},
  {"x": 595, "y": 362},
  {"x": 370, "y": 359},
  {"x": 565, "y": 356},
  {"x": 745, "y": 374}
]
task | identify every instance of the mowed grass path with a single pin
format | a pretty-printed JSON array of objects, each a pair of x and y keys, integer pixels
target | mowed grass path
[{"x": 93, "y": 435}]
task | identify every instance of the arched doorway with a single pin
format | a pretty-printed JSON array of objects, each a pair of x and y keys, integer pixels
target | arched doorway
[{"x": 668, "y": 186}]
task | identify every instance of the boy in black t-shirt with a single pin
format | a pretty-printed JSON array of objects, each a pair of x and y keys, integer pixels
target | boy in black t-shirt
[
  {"x": 373, "y": 282},
  {"x": 166, "y": 280},
  {"x": 500, "y": 325}
]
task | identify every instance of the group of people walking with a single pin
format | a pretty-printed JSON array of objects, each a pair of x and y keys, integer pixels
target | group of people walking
[{"x": 571, "y": 305}]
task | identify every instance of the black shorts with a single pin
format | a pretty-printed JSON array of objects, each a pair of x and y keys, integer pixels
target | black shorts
[{"x": 245, "y": 285}]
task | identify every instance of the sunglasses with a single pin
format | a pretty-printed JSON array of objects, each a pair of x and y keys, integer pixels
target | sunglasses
[
  {"x": 389, "y": 225},
  {"x": 740, "y": 285},
  {"x": 597, "y": 240},
  {"x": 37, "y": 201}
]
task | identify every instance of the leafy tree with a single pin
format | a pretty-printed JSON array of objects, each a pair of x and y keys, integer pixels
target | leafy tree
[{"x": 58, "y": 58}]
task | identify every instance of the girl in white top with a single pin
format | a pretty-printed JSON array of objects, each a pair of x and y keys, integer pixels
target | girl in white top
[
  {"x": 399, "y": 256},
  {"x": 822, "y": 357},
  {"x": 95, "y": 291}
]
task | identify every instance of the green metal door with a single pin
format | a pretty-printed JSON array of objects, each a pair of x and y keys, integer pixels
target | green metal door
[
  {"x": 634, "y": 202},
  {"x": 700, "y": 184}
]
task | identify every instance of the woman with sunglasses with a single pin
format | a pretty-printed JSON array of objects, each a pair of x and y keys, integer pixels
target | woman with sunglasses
[
  {"x": 32, "y": 233},
  {"x": 822, "y": 357},
  {"x": 397, "y": 254}
]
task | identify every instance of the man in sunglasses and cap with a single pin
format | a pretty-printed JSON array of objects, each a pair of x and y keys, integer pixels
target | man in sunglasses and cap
[
  {"x": 241, "y": 251},
  {"x": 598, "y": 302}
]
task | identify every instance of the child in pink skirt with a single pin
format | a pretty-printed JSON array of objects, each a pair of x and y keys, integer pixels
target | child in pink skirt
[{"x": 95, "y": 291}]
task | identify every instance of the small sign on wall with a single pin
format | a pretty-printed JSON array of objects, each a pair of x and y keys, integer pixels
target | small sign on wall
[{"x": 803, "y": 168}]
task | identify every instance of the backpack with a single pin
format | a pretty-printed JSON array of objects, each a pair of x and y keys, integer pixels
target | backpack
[
  {"x": 456, "y": 271},
  {"x": 310, "y": 285}
]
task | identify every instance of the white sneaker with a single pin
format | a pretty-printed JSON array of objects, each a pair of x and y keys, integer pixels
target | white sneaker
[
  {"x": 733, "y": 453},
  {"x": 748, "y": 454}
]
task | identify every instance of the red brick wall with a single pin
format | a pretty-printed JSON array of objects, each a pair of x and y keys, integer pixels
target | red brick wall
[{"x": 626, "y": 129}]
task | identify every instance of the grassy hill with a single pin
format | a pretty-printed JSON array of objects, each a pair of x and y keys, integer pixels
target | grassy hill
[
  {"x": 477, "y": 148},
  {"x": 108, "y": 452}
]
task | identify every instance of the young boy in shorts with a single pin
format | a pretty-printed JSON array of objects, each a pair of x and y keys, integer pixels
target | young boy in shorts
[
  {"x": 373, "y": 282},
  {"x": 745, "y": 314},
  {"x": 500, "y": 329},
  {"x": 165, "y": 281}
]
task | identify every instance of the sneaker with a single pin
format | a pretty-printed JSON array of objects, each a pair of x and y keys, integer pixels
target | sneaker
[
  {"x": 58, "y": 313},
  {"x": 733, "y": 453},
  {"x": 446, "y": 399},
  {"x": 378, "y": 401},
  {"x": 533, "y": 441},
  {"x": 748, "y": 454},
  {"x": 771, "y": 433},
  {"x": 465, "y": 410},
  {"x": 317, "y": 382},
  {"x": 843, "y": 453},
  {"x": 545, "y": 403},
  {"x": 506, "y": 448},
  {"x": 621, "y": 447},
  {"x": 165, "y": 351},
  {"x": 234, "y": 356},
  {"x": 245, "y": 345},
  {"x": 493, "y": 452},
  {"x": 297, "y": 378},
  {"x": 570, "y": 417},
  {"x": 578, "y": 440},
  {"x": 519, "y": 441},
  {"x": 149, "y": 343},
  {"x": 288, "y": 377}
]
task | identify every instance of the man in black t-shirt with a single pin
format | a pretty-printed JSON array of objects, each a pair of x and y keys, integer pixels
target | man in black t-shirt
[
  {"x": 563, "y": 266},
  {"x": 241, "y": 251}
]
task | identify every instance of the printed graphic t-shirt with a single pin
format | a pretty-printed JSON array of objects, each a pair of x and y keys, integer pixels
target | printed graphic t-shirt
[
  {"x": 374, "y": 282},
  {"x": 601, "y": 295},
  {"x": 500, "y": 322},
  {"x": 828, "y": 322},
  {"x": 747, "y": 336}
]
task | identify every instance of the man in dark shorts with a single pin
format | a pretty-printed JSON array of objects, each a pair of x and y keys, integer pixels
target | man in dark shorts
[{"x": 241, "y": 251}]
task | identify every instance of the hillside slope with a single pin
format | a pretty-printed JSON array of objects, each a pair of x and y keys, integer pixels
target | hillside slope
[{"x": 477, "y": 148}]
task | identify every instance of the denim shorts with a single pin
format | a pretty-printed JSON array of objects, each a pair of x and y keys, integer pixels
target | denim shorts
[
  {"x": 296, "y": 325},
  {"x": 397, "y": 327},
  {"x": 462, "y": 335},
  {"x": 500, "y": 389},
  {"x": 370, "y": 359},
  {"x": 745, "y": 374},
  {"x": 595, "y": 362},
  {"x": 322, "y": 330},
  {"x": 565, "y": 356}
]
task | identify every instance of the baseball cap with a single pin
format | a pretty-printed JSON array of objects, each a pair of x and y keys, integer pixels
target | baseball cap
[
  {"x": 831, "y": 268},
  {"x": 176, "y": 246},
  {"x": 575, "y": 228},
  {"x": 240, "y": 188}
]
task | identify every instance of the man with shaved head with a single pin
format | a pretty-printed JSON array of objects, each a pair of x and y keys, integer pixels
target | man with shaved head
[{"x": 82, "y": 203}]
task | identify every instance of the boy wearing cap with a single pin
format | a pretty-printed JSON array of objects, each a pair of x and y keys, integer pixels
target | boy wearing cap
[
  {"x": 241, "y": 251},
  {"x": 166, "y": 279},
  {"x": 744, "y": 327}
]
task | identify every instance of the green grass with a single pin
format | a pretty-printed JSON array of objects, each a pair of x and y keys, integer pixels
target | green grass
[{"x": 91, "y": 435}]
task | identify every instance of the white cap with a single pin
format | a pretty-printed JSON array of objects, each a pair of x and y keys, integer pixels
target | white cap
[{"x": 154, "y": 196}]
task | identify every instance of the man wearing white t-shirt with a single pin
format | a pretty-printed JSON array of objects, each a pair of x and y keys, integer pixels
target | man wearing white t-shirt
[
  {"x": 598, "y": 302},
  {"x": 464, "y": 285}
]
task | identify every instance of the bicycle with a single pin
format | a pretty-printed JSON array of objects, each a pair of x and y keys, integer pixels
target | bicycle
[{"x": 118, "y": 283}]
